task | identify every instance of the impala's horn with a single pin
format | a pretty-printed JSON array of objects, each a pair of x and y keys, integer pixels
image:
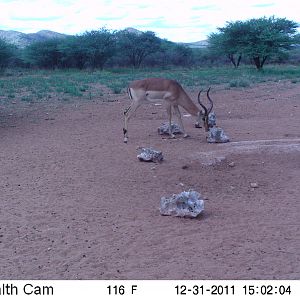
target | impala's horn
[
  {"x": 201, "y": 104},
  {"x": 211, "y": 102},
  {"x": 205, "y": 118}
]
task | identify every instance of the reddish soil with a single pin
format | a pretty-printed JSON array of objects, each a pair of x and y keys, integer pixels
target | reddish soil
[{"x": 77, "y": 204}]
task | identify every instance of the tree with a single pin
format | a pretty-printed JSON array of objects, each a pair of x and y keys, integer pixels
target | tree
[
  {"x": 182, "y": 55},
  {"x": 6, "y": 53},
  {"x": 73, "y": 53},
  {"x": 44, "y": 54},
  {"x": 99, "y": 46},
  {"x": 258, "y": 39},
  {"x": 137, "y": 46},
  {"x": 226, "y": 42}
]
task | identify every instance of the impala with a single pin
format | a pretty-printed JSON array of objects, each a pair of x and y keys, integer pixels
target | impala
[{"x": 154, "y": 89}]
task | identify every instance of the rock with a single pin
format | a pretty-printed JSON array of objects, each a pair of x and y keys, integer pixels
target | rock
[
  {"x": 149, "y": 154},
  {"x": 217, "y": 135},
  {"x": 231, "y": 164},
  {"x": 164, "y": 129},
  {"x": 185, "y": 204},
  {"x": 254, "y": 184},
  {"x": 212, "y": 119}
]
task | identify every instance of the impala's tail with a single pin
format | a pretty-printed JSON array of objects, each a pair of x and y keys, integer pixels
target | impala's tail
[{"x": 129, "y": 93}]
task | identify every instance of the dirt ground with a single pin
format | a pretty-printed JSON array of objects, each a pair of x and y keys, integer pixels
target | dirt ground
[{"x": 76, "y": 203}]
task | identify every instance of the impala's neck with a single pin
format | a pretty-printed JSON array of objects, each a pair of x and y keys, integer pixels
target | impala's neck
[{"x": 187, "y": 103}]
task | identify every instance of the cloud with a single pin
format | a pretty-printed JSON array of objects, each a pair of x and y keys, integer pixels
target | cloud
[
  {"x": 33, "y": 19},
  {"x": 264, "y": 5},
  {"x": 179, "y": 20}
]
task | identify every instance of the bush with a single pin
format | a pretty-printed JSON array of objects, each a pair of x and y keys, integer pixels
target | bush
[{"x": 7, "y": 52}]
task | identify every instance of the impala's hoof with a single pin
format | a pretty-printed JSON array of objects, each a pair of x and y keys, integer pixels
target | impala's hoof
[
  {"x": 125, "y": 140},
  {"x": 186, "y": 135}
]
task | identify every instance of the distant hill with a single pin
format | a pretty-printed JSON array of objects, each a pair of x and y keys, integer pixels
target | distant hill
[
  {"x": 199, "y": 44},
  {"x": 22, "y": 40},
  {"x": 133, "y": 30}
]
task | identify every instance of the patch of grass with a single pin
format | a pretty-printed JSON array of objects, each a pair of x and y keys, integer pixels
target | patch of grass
[
  {"x": 239, "y": 83},
  {"x": 27, "y": 99},
  {"x": 68, "y": 84}
]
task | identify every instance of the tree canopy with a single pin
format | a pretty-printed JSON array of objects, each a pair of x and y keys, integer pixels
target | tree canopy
[
  {"x": 6, "y": 53},
  {"x": 137, "y": 46},
  {"x": 257, "y": 39}
]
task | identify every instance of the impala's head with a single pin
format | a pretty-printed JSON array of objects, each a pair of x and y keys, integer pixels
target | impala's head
[{"x": 205, "y": 112}]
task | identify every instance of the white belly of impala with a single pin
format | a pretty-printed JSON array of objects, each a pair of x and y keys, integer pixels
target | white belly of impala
[
  {"x": 157, "y": 95},
  {"x": 149, "y": 96}
]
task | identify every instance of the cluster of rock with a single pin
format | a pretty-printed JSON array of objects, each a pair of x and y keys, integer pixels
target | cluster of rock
[{"x": 187, "y": 203}]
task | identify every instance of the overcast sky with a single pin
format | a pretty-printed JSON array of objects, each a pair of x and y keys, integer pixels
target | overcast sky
[{"x": 175, "y": 20}]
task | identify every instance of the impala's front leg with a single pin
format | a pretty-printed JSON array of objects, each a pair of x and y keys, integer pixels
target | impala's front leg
[
  {"x": 125, "y": 128},
  {"x": 169, "y": 112},
  {"x": 127, "y": 115}
]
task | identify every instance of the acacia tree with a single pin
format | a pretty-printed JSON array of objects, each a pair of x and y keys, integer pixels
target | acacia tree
[
  {"x": 6, "y": 53},
  {"x": 136, "y": 46},
  {"x": 258, "y": 39},
  {"x": 44, "y": 54},
  {"x": 91, "y": 49},
  {"x": 99, "y": 46},
  {"x": 227, "y": 42}
]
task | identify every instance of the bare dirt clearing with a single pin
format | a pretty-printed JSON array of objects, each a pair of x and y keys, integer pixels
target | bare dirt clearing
[{"x": 77, "y": 204}]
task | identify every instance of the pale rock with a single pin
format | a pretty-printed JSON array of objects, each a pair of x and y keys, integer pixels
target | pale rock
[
  {"x": 164, "y": 128},
  {"x": 212, "y": 119},
  {"x": 149, "y": 154},
  {"x": 185, "y": 204},
  {"x": 217, "y": 135}
]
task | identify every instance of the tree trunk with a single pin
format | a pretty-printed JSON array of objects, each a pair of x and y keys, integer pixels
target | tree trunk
[
  {"x": 231, "y": 58},
  {"x": 239, "y": 60},
  {"x": 263, "y": 61},
  {"x": 257, "y": 62}
]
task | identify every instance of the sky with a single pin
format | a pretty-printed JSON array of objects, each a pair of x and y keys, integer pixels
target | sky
[{"x": 174, "y": 20}]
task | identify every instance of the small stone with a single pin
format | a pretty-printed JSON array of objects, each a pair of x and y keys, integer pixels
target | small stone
[
  {"x": 217, "y": 135},
  {"x": 231, "y": 164},
  {"x": 164, "y": 129},
  {"x": 149, "y": 154},
  {"x": 212, "y": 119},
  {"x": 185, "y": 204},
  {"x": 254, "y": 185}
]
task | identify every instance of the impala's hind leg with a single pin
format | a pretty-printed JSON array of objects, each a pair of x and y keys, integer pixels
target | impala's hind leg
[{"x": 127, "y": 115}]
